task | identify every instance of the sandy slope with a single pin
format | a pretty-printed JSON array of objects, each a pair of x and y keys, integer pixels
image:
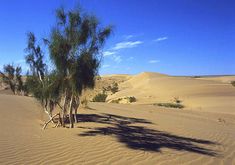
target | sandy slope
[
  {"x": 115, "y": 134},
  {"x": 202, "y": 133},
  {"x": 214, "y": 94}
]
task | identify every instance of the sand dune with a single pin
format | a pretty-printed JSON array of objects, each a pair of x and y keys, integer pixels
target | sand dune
[
  {"x": 128, "y": 134},
  {"x": 202, "y": 94}
]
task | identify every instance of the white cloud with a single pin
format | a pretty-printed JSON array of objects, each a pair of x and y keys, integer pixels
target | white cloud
[
  {"x": 160, "y": 39},
  {"x": 108, "y": 53},
  {"x": 128, "y": 44},
  {"x": 117, "y": 59},
  {"x": 105, "y": 66},
  {"x": 153, "y": 61},
  {"x": 127, "y": 37}
]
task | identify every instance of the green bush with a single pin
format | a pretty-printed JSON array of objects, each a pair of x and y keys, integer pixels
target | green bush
[
  {"x": 170, "y": 105},
  {"x": 132, "y": 99},
  {"x": 114, "y": 88},
  {"x": 100, "y": 97},
  {"x": 196, "y": 76}
]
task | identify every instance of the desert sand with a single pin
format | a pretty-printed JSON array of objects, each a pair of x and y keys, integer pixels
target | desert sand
[{"x": 136, "y": 133}]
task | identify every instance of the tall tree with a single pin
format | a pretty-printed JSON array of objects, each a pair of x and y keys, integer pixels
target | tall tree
[{"x": 75, "y": 43}]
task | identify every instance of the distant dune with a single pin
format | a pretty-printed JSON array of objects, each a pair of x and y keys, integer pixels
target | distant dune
[
  {"x": 212, "y": 93},
  {"x": 137, "y": 133}
]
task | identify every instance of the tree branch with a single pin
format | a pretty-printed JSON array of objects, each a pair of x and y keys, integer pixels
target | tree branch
[{"x": 45, "y": 125}]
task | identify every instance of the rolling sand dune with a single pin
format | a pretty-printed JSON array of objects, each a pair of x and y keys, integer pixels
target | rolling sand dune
[
  {"x": 202, "y": 94},
  {"x": 128, "y": 134}
]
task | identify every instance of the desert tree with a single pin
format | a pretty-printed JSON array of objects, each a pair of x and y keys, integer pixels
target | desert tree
[
  {"x": 12, "y": 76},
  {"x": 44, "y": 86},
  {"x": 75, "y": 45}
]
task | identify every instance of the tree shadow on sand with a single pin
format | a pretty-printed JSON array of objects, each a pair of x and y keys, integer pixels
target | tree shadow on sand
[{"x": 142, "y": 138}]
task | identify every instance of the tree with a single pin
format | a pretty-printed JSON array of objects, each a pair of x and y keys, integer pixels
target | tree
[
  {"x": 43, "y": 85},
  {"x": 74, "y": 45},
  {"x": 12, "y": 76}
]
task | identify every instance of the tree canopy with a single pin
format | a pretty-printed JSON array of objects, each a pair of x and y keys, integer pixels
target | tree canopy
[{"x": 75, "y": 44}]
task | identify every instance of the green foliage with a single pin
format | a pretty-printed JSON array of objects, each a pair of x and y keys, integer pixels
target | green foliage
[
  {"x": 35, "y": 57},
  {"x": 75, "y": 43},
  {"x": 132, "y": 99},
  {"x": 170, "y": 105},
  {"x": 34, "y": 87},
  {"x": 45, "y": 87},
  {"x": 74, "y": 46},
  {"x": 12, "y": 76},
  {"x": 196, "y": 76},
  {"x": 177, "y": 103},
  {"x": 100, "y": 97},
  {"x": 114, "y": 88}
]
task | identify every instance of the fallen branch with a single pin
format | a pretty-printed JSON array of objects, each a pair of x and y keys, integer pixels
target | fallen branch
[
  {"x": 50, "y": 117},
  {"x": 45, "y": 125}
]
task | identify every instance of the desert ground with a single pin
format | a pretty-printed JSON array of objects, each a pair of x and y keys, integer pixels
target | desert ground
[{"x": 128, "y": 133}]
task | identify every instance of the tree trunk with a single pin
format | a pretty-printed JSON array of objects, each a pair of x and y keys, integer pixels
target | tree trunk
[
  {"x": 46, "y": 111},
  {"x": 71, "y": 112},
  {"x": 75, "y": 115},
  {"x": 77, "y": 103},
  {"x": 63, "y": 111}
]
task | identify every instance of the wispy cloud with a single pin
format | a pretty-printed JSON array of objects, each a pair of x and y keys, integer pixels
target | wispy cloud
[
  {"x": 153, "y": 61},
  {"x": 105, "y": 66},
  {"x": 128, "y": 44},
  {"x": 108, "y": 53},
  {"x": 127, "y": 37},
  {"x": 114, "y": 51},
  {"x": 160, "y": 39},
  {"x": 116, "y": 58}
]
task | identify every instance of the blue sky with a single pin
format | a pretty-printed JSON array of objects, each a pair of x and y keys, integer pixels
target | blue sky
[{"x": 176, "y": 37}]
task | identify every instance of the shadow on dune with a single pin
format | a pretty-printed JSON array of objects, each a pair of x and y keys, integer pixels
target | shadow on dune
[
  {"x": 142, "y": 138},
  {"x": 110, "y": 119}
]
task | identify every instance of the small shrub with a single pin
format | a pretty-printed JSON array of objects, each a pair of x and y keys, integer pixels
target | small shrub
[
  {"x": 129, "y": 100},
  {"x": 116, "y": 101},
  {"x": 177, "y": 100},
  {"x": 132, "y": 99},
  {"x": 170, "y": 105},
  {"x": 100, "y": 97},
  {"x": 114, "y": 88},
  {"x": 196, "y": 76},
  {"x": 233, "y": 83}
]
